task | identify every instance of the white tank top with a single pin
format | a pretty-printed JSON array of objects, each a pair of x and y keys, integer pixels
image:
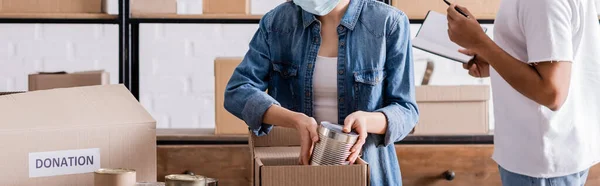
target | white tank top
[{"x": 325, "y": 89}]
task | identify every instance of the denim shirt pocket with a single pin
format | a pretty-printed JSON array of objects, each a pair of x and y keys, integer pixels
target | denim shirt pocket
[
  {"x": 368, "y": 89},
  {"x": 285, "y": 69},
  {"x": 283, "y": 84}
]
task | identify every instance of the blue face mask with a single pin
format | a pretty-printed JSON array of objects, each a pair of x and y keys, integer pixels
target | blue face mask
[{"x": 317, "y": 7}]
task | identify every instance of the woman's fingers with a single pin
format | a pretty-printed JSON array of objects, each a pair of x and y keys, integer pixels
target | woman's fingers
[
  {"x": 353, "y": 156},
  {"x": 312, "y": 130},
  {"x": 348, "y": 122}
]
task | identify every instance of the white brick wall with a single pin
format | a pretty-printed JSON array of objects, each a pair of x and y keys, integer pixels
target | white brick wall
[
  {"x": 30, "y": 48},
  {"x": 176, "y": 69}
]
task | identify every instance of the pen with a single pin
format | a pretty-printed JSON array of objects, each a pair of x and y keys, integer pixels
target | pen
[{"x": 456, "y": 8}]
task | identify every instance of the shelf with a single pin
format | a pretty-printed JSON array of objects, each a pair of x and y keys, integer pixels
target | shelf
[
  {"x": 207, "y": 137},
  {"x": 200, "y": 18},
  {"x": 81, "y": 18}
]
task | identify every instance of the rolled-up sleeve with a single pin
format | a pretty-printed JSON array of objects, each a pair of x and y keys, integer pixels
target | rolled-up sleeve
[
  {"x": 245, "y": 95},
  {"x": 401, "y": 109}
]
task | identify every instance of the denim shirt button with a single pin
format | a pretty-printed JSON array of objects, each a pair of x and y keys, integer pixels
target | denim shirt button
[
  {"x": 310, "y": 65},
  {"x": 341, "y": 100},
  {"x": 341, "y": 72},
  {"x": 342, "y": 43},
  {"x": 340, "y": 29},
  {"x": 316, "y": 39},
  {"x": 307, "y": 93}
]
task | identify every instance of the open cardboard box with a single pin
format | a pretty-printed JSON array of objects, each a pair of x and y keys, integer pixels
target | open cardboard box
[
  {"x": 52, "y": 80},
  {"x": 276, "y": 163},
  {"x": 104, "y": 125}
]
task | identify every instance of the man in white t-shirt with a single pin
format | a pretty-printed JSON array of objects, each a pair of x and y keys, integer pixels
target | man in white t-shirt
[{"x": 546, "y": 81}]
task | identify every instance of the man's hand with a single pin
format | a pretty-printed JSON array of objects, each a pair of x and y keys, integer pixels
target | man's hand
[
  {"x": 465, "y": 31},
  {"x": 357, "y": 122},
  {"x": 307, "y": 129},
  {"x": 477, "y": 67}
]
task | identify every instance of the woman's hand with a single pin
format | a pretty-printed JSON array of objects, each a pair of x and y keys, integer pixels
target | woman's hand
[
  {"x": 307, "y": 129},
  {"x": 357, "y": 122},
  {"x": 477, "y": 67}
]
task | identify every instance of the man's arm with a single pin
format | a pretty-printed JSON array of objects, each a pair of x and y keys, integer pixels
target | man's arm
[{"x": 546, "y": 83}]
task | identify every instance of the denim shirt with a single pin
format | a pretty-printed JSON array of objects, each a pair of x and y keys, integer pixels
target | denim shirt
[{"x": 374, "y": 74}]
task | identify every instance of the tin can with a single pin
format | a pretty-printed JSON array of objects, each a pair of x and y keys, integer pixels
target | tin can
[
  {"x": 189, "y": 180},
  {"x": 334, "y": 145},
  {"x": 114, "y": 177}
]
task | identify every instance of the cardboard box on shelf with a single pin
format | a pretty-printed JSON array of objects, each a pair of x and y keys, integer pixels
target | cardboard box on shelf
[
  {"x": 51, "y": 6},
  {"x": 226, "y": 7},
  {"x": 60, "y": 136},
  {"x": 276, "y": 157},
  {"x": 189, "y": 7},
  {"x": 481, "y": 9},
  {"x": 226, "y": 123},
  {"x": 453, "y": 110},
  {"x": 154, "y": 6},
  {"x": 44, "y": 81},
  {"x": 110, "y": 7}
]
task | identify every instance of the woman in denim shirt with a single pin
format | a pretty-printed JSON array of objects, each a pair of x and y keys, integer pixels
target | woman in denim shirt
[{"x": 349, "y": 61}]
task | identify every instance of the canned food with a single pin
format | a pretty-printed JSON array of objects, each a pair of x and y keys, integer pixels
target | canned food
[
  {"x": 189, "y": 180},
  {"x": 114, "y": 177},
  {"x": 334, "y": 145}
]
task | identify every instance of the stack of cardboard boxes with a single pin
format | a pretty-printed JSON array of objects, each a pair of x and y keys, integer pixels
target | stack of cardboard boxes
[
  {"x": 212, "y": 7},
  {"x": 481, "y": 9},
  {"x": 50, "y": 6}
]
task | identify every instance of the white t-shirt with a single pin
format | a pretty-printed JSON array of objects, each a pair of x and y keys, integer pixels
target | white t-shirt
[
  {"x": 325, "y": 89},
  {"x": 530, "y": 139}
]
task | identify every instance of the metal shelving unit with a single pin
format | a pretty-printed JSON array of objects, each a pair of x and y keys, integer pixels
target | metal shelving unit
[{"x": 122, "y": 19}]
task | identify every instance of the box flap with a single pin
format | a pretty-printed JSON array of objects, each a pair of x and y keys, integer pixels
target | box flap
[
  {"x": 71, "y": 107},
  {"x": 452, "y": 93},
  {"x": 286, "y": 171},
  {"x": 278, "y": 137},
  {"x": 273, "y": 152}
]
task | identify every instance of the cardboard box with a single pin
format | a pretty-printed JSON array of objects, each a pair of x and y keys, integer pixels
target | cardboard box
[
  {"x": 453, "y": 110},
  {"x": 42, "y": 132},
  {"x": 45, "y": 81},
  {"x": 276, "y": 163},
  {"x": 226, "y": 123},
  {"x": 51, "y": 6},
  {"x": 154, "y": 6},
  {"x": 189, "y": 7},
  {"x": 226, "y": 7},
  {"x": 417, "y": 9}
]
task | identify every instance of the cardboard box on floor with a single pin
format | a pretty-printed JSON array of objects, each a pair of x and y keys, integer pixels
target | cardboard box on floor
[
  {"x": 417, "y": 9},
  {"x": 51, "y": 6},
  {"x": 105, "y": 122},
  {"x": 226, "y": 123},
  {"x": 44, "y": 81},
  {"x": 453, "y": 110},
  {"x": 154, "y": 6},
  {"x": 226, "y": 7},
  {"x": 276, "y": 163}
]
